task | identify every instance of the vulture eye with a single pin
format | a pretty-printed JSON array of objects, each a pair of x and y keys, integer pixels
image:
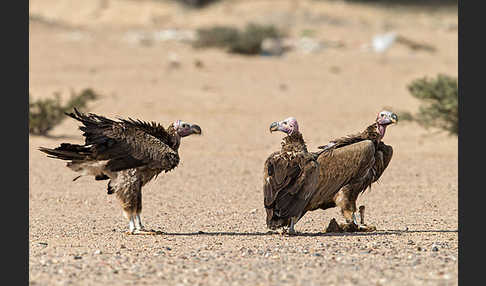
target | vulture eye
[{"x": 184, "y": 126}]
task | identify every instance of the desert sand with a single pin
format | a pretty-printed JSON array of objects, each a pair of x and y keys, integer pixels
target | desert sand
[{"x": 210, "y": 208}]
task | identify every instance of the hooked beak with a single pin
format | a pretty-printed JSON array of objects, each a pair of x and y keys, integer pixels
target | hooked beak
[
  {"x": 389, "y": 119},
  {"x": 196, "y": 129},
  {"x": 274, "y": 127}
]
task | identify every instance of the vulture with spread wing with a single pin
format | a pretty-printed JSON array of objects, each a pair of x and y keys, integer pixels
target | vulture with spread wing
[
  {"x": 349, "y": 165},
  {"x": 128, "y": 153},
  {"x": 290, "y": 178}
]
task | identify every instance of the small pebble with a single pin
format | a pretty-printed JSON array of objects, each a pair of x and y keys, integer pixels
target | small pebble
[{"x": 97, "y": 252}]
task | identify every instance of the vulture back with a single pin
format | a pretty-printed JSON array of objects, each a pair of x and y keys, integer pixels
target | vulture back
[{"x": 341, "y": 166}]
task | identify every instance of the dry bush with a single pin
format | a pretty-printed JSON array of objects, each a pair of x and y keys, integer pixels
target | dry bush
[
  {"x": 246, "y": 42},
  {"x": 217, "y": 36},
  {"x": 45, "y": 114},
  {"x": 439, "y": 106},
  {"x": 250, "y": 40}
]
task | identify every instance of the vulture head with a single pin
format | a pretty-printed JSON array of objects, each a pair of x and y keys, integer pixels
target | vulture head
[
  {"x": 288, "y": 126},
  {"x": 184, "y": 129},
  {"x": 385, "y": 118}
]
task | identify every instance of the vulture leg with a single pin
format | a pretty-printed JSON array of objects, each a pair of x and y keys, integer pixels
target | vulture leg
[
  {"x": 293, "y": 221},
  {"x": 362, "y": 225},
  {"x": 361, "y": 214},
  {"x": 130, "y": 199},
  {"x": 139, "y": 229},
  {"x": 346, "y": 201}
]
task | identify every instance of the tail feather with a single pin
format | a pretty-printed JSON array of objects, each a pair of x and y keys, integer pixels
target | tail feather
[{"x": 68, "y": 151}]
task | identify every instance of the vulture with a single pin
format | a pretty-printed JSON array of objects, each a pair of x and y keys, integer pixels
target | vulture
[
  {"x": 290, "y": 178},
  {"x": 297, "y": 181},
  {"x": 349, "y": 165},
  {"x": 128, "y": 153}
]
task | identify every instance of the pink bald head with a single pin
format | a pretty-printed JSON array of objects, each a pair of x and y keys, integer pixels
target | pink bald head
[{"x": 288, "y": 126}]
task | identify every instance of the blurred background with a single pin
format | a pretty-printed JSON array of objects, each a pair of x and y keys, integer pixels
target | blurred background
[{"x": 183, "y": 57}]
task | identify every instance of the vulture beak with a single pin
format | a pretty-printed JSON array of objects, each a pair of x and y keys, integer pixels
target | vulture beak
[
  {"x": 274, "y": 127},
  {"x": 196, "y": 129},
  {"x": 387, "y": 118}
]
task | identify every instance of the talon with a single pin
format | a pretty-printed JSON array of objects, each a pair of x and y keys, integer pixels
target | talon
[{"x": 367, "y": 228}]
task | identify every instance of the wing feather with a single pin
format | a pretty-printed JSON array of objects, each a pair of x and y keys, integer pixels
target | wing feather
[
  {"x": 288, "y": 186},
  {"x": 128, "y": 143},
  {"x": 342, "y": 166},
  {"x": 382, "y": 159}
]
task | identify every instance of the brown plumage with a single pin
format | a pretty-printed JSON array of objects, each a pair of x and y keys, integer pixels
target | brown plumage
[
  {"x": 290, "y": 178},
  {"x": 349, "y": 165},
  {"x": 128, "y": 153}
]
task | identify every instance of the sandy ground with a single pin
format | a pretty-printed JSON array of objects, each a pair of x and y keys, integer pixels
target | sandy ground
[{"x": 211, "y": 207}]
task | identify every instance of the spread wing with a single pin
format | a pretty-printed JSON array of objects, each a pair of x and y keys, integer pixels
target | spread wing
[
  {"x": 288, "y": 186},
  {"x": 349, "y": 164},
  {"x": 125, "y": 144}
]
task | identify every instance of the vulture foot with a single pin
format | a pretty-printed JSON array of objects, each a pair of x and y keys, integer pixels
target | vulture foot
[
  {"x": 293, "y": 221},
  {"x": 292, "y": 232},
  {"x": 284, "y": 231},
  {"x": 348, "y": 227},
  {"x": 366, "y": 228}
]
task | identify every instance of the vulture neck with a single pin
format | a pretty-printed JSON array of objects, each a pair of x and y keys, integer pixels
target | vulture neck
[
  {"x": 375, "y": 132},
  {"x": 174, "y": 138},
  {"x": 294, "y": 143}
]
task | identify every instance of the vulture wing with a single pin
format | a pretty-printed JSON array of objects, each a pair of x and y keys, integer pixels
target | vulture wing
[
  {"x": 125, "y": 144},
  {"x": 368, "y": 134},
  {"x": 289, "y": 183},
  {"x": 340, "y": 142},
  {"x": 349, "y": 164},
  {"x": 383, "y": 156}
]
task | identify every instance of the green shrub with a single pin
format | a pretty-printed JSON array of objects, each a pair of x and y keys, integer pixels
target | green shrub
[
  {"x": 246, "y": 42},
  {"x": 45, "y": 114},
  {"x": 250, "y": 40},
  {"x": 439, "y": 103},
  {"x": 218, "y": 36}
]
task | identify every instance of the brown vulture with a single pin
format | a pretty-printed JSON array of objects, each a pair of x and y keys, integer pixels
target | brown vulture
[
  {"x": 128, "y": 153},
  {"x": 290, "y": 178},
  {"x": 349, "y": 165}
]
